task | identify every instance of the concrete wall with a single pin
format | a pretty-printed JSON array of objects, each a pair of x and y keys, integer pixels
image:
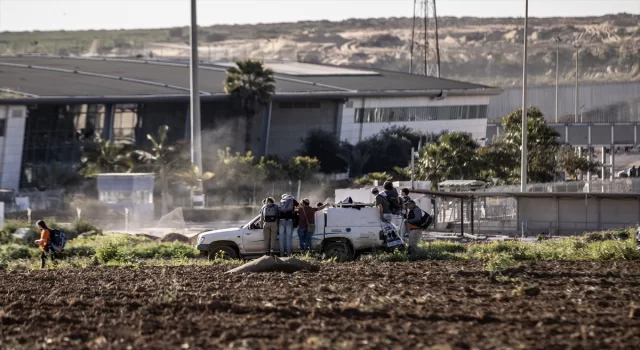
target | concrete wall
[
  {"x": 595, "y": 134},
  {"x": 573, "y": 215},
  {"x": 290, "y": 125},
  {"x": 11, "y": 145},
  {"x": 544, "y": 97},
  {"x": 353, "y": 132}
]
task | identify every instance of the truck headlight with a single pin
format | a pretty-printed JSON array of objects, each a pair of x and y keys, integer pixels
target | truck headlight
[{"x": 201, "y": 239}]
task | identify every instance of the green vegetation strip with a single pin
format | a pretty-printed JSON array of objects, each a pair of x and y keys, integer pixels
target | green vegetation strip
[{"x": 136, "y": 251}]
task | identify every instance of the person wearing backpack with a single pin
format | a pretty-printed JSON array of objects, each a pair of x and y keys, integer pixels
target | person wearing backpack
[
  {"x": 415, "y": 221},
  {"x": 393, "y": 198},
  {"x": 50, "y": 242},
  {"x": 286, "y": 211},
  {"x": 269, "y": 223}
]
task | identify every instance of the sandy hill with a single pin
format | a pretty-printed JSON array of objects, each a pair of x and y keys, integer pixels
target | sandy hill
[{"x": 484, "y": 50}]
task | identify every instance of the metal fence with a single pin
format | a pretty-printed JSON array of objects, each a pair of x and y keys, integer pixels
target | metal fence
[
  {"x": 618, "y": 185},
  {"x": 499, "y": 215}
]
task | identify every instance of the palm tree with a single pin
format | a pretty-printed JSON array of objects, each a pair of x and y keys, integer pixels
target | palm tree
[
  {"x": 252, "y": 86},
  {"x": 105, "y": 156},
  {"x": 170, "y": 163},
  {"x": 355, "y": 158}
]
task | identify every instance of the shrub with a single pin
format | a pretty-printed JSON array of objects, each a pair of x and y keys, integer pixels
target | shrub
[
  {"x": 15, "y": 252},
  {"x": 80, "y": 226},
  {"x": 172, "y": 250},
  {"x": 11, "y": 226},
  {"x": 80, "y": 250},
  {"x": 108, "y": 252}
]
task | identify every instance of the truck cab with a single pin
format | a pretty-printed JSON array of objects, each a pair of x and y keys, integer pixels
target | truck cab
[{"x": 341, "y": 232}]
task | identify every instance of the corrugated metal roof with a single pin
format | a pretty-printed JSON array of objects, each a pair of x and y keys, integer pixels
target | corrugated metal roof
[{"x": 54, "y": 77}]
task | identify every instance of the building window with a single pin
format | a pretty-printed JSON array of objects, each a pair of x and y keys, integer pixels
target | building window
[
  {"x": 299, "y": 105},
  {"x": 3, "y": 126},
  {"x": 125, "y": 118},
  {"x": 418, "y": 114}
]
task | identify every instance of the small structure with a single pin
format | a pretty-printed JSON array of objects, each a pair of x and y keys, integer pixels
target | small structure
[
  {"x": 128, "y": 190},
  {"x": 460, "y": 185}
]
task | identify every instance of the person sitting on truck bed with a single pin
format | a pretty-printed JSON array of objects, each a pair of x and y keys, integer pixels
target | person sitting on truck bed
[
  {"x": 382, "y": 204},
  {"x": 269, "y": 223},
  {"x": 405, "y": 196},
  {"x": 414, "y": 219},
  {"x": 307, "y": 224}
]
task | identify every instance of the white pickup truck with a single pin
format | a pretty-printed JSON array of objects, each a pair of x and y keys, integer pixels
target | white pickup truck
[{"x": 341, "y": 232}]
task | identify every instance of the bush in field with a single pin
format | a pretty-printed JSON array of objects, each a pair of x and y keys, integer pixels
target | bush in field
[
  {"x": 11, "y": 226},
  {"x": 108, "y": 252},
  {"x": 608, "y": 235},
  {"x": 80, "y": 226},
  {"x": 79, "y": 250},
  {"x": 15, "y": 252},
  {"x": 173, "y": 250}
]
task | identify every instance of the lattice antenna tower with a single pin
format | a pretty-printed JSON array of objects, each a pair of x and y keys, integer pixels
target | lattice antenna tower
[{"x": 425, "y": 49}]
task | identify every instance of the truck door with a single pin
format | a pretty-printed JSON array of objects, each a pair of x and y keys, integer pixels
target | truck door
[{"x": 253, "y": 238}]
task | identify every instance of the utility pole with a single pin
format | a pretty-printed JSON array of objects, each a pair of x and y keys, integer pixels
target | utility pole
[
  {"x": 577, "y": 47},
  {"x": 196, "y": 132},
  {"x": 557, "y": 40},
  {"x": 435, "y": 18},
  {"x": 413, "y": 37},
  {"x": 523, "y": 161}
]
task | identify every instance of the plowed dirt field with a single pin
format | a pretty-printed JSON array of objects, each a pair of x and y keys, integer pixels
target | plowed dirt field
[{"x": 577, "y": 305}]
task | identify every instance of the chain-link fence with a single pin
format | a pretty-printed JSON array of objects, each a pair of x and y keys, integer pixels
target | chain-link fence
[
  {"x": 618, "y": 185},
  {"x": 537, "y": 215}
]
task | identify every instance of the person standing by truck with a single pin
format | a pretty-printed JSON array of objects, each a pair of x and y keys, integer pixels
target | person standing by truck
[
  {"x": 307, "y": 224},
  {"x": 382, "y": 204},
  {"x": 269, "y": 223},
  {"x": 414, "y": 221},
  {"x": 287, "y": 213}
]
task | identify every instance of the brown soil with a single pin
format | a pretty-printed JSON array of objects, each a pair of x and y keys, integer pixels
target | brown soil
[
  {"x": 356, "y": 306},
  {"x": 175, "y": 237}
]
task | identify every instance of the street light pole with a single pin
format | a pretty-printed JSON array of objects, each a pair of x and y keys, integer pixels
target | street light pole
[
  {"x": 577, "y": 47},
  {"x": 558, "y": 40},
  {"x": 523, "y": 161},
  {"x": 196, "y": 133}
]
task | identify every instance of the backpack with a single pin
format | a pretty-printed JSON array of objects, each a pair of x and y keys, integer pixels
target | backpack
[
  {"x": 58, "y": 240},
  {"x": 426, "y": 220},
  {"x": 286, "y": 204},
  {"x": 392, "y": 198},
  {"x": 270, "y": 213}
]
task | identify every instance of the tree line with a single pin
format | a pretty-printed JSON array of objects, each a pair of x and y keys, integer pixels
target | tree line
[{"x": 451, "y": 155}]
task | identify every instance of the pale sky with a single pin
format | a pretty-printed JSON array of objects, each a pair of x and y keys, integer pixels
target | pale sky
[{"x": 20, "y": 15}]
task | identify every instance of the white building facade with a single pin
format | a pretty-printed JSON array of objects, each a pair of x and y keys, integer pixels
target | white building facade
[
  {"x": 12, "y": 122},
  {"x": 365, "y": 117}
]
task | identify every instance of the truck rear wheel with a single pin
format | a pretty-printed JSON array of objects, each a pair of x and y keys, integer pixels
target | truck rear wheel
[
  {"x": 223, "y": 251},
  {"x": 338, "y": 250}
]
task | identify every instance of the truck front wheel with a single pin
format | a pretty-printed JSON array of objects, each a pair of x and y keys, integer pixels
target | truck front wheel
[
  {"x": 338, "y": 250},
  {"x": 223, "y": 251}
]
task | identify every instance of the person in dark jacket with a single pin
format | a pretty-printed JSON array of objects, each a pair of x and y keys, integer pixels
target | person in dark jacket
[
  {"x": 269, "y": 222},
  {"x": 395, "y": 203},
  {"x": 286, "y": 223},
  {"x": 414, "y": 219},
  {"x": 307, "y": 215},
  {"x": 405, "y": 196}
]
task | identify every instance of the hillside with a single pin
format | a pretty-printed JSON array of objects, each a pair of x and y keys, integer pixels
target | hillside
[{"x": 484, "y": 50}]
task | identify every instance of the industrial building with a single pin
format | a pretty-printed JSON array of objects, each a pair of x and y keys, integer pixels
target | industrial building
[{"x": 49, "y": 103}]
